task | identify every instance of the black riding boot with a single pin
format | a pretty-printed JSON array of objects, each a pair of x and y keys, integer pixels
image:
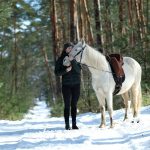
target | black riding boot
[
  {"x": 73, "y": 115},
  {"x": 66, "y": 117}
]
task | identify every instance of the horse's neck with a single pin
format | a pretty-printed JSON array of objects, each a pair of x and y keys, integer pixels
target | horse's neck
[{"x": 95, "y": 59}]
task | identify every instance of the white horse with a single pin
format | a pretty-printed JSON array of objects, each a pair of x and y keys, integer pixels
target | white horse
[{"x": 103, "y": 82}]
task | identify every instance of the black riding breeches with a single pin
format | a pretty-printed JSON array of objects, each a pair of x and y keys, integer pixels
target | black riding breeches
[{"x": 71, "y": 95}]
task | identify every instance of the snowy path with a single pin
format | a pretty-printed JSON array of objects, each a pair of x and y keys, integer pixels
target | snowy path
[{"x": 37, "y": 131}]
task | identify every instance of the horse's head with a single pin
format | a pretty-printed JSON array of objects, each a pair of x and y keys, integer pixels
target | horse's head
[{"x": 77, "y": 50}]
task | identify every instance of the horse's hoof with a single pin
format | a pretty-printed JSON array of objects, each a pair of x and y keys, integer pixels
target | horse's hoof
[
  {"x": 112, "y": 126},
  {"x": 102, "y": 126},
  {"x": 135, "y": 120},
  {"x": 125, "y": 119}
]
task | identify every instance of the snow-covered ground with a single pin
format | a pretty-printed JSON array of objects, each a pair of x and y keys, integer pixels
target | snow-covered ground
[{"x": 39, "y": 131}]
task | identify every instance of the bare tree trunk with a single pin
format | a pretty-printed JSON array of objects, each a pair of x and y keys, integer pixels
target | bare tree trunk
[
  {"x": 108, "y": 26},
  {"x": 52, "y": 88},
  {"x": 63, "y": 25},
  {"x": 90, "y": 32},
  {"x": 78, "y": 34},
  {"x": 142, "y": 30},
  {"x": 15, "y": 56},
  {"x": 131, "y": 20},
  {"x": 121, "y": 17},
  {"x": 138, "y": 16},
  {"x": 54, "y": 30},
  {"x": 140, "y": 19},
  {"x": 147, "y": 47},
  {"x": 73, "y": 20},
  {"x": 98, "y": 25},
  {"x": 56, "y": 52},
  {"x": 81, "y": 21}
]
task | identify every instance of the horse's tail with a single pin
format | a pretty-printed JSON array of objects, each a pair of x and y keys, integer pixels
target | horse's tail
[
  {"x": 139, "y": 94},
  {"x": 139, "y": 99}
]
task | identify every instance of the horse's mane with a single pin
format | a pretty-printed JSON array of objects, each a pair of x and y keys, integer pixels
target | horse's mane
[{"x": 95, "y": 58}]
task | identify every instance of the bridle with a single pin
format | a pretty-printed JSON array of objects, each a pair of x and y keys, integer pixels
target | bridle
[{"x": 81, "y": 51}]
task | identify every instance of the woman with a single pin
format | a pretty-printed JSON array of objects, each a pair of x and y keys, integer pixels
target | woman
[{"x": 70, "y": 70}]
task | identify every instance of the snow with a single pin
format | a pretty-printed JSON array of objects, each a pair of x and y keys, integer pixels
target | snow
[{"x": 39, "y": 131}]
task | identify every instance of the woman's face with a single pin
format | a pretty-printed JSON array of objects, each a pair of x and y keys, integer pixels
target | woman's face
[{"x": 69, "y": 49}]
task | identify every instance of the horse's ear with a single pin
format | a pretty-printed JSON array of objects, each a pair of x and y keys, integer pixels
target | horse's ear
[{"x": 82, "y": 41}]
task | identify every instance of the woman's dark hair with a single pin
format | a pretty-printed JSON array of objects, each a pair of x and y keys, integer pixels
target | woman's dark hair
[{"x": 66, "y": 45}]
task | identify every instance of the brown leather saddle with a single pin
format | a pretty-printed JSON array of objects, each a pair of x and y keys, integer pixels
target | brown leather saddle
[{"x": 116, "y": 63}]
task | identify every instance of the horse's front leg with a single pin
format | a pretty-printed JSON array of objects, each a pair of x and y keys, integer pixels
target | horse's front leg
[
  {"x": 101, "y": 99},
  {"x": 103, "y": 120},
  {"x": 109, "y": 99}
]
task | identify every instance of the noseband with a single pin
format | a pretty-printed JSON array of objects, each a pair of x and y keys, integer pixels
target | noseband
[{"x": 81, "y": 51}]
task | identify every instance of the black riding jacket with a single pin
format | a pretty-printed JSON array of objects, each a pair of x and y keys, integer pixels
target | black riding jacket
[{"x": 72, "y": 77}]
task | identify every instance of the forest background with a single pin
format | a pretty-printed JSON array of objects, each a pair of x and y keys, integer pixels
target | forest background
[{"x": 32, "y": 34}]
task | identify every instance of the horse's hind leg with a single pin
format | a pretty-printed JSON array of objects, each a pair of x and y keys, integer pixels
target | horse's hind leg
[
  {"x": 136, "y": 92},
  {"x": 134, "y": 102},
  {"x": 125, "y": 97}
]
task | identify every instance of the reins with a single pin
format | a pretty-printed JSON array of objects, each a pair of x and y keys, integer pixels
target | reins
[{"x": 96, "y": 68}]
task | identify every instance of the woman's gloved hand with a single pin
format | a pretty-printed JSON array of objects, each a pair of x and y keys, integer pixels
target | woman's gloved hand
[{"x": 66, "y": 61}]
